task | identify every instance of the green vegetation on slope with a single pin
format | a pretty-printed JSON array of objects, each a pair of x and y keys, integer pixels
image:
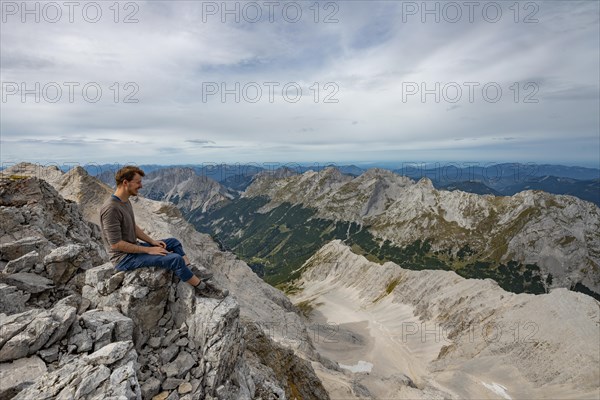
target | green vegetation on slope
[{"x": 277, "y": 243}]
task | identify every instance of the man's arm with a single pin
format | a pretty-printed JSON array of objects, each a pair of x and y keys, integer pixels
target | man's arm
[{"x": 127, "y": 247}]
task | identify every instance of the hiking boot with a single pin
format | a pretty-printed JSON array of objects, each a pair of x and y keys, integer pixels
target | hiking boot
[
  {"x": 206, "y": 289},
  {"x": 201, "y": 272}
]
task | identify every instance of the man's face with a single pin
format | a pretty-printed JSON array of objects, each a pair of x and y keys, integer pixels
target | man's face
[{"x": 133, "y": 185}]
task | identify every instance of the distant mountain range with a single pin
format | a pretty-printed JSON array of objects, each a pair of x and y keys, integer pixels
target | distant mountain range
[
  {"x": 588, "y": 190},
  {"x": 469, "y": 187},
  {"x": 496, "y": 179},
  {"x": 496, "y": 175}
]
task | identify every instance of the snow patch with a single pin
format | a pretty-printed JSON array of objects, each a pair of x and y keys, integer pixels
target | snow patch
[
  {"x": 361, "y": 366},
  {"x": 498, "y": 389}
]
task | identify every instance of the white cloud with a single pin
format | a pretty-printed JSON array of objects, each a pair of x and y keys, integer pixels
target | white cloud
[{"x": 370, "y": 55}]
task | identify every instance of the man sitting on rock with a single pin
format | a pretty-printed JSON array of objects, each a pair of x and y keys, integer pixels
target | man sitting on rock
[{"x": 120, "y": 234}]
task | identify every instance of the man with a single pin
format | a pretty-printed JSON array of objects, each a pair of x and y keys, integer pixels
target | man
[{"x": 120, "y": 234}]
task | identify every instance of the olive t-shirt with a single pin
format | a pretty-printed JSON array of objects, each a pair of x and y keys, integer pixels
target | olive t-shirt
[{"x": 118, "y": 223}]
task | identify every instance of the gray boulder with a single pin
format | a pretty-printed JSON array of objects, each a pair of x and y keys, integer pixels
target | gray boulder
[
  {"x": 26, "y": 333},
  {"x": 62, "y": 263},
  {"x": 29, "y": 282},
  {"x": 16, "y": 375},
  {"x": 12, "y": 300},
  {"x": 25, "y": 263},
  {"x": 142, "y": 295},
  {"x": 89, "y": 377},
  {"x": 18, "y": 248}
]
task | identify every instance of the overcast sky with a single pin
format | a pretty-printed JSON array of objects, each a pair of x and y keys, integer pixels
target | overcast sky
[{"x": 361, "y": 67}]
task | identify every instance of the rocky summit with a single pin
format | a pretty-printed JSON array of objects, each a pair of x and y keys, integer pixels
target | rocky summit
[{"x": 73, "y": 327}]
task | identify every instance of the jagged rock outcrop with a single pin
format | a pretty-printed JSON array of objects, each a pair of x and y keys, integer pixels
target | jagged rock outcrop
[
  {"x": 75, "y": 185},
  {"x": 467, "y": 338},
  {"x": 89, "y": 331},
  {"x": 272, "y": 363},
  {"x": 44, "y": 242}
]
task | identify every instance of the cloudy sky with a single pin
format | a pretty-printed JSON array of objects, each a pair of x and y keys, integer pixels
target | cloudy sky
[{"x": 333, "y": 81}]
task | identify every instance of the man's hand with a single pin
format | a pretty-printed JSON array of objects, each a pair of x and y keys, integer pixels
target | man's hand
[
  {"x": 156, "y": 250},
  {"x": 159, "y": 243}
]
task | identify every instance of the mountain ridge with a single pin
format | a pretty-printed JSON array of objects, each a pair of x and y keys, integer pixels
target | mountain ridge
[
  {"x": 462, "y": 335},
  {"x": 557, "y": 233}
]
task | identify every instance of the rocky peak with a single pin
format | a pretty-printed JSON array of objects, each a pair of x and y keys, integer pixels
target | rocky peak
[
  {"x": 296, "y": 188},
  {"x": 88, "y": 192},
  {"x": 425, "y": 182},
  {"x": 51, "y": 174},
  {"x": 184, "y": 188}
]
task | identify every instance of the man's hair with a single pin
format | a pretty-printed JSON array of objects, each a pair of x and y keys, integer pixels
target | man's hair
[{"x": 127, "y": 173}]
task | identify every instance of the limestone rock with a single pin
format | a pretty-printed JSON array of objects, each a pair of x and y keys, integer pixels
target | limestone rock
[
  {"x": 30, "y": 339},
  {"x": 216, "y": 329},
  {"x": 99, "y": 274},
  {"x": 25, "y": 263},
  {"x": 64, "y": 315},
  {"x": 168, "y": 354},
  {"x": 150, "y": 388},
  {"x": 24, "y": 334},
  {"x": 82, "y": 341},
  {"x": 123, "y": 381},
  {"x": 63, "y": 262},
  {"x": 97, "y": 320},
  {"x": 287, "y": 370},
  {"x": 180, "y": 366},
  {"x": 161, "y": 396},
  {"x": 184, "y": 388},
  {"x": 12, "y": 300},
  {"x": 28, "y": 282},
  {"x": 47, "y": 222},
  {"x": 13, "y": 324},
  {"x": 78, "y": 378},
  {"x": 142, "y": 296},
  {"x": 109, "y": 354},
  {"x": 49, "y": 355},
  {"x": 90, "y": 382},
  {"x": 16, "y": 375},
  {"x": 172, "y": 383},
  {"x": 19, "y": 248}
]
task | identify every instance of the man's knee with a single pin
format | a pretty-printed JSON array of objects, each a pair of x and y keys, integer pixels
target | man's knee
[{"x": 172, "y": 242}]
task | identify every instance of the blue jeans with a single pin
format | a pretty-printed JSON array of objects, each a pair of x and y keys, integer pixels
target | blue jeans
[{"x": 172, "y": 261}]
